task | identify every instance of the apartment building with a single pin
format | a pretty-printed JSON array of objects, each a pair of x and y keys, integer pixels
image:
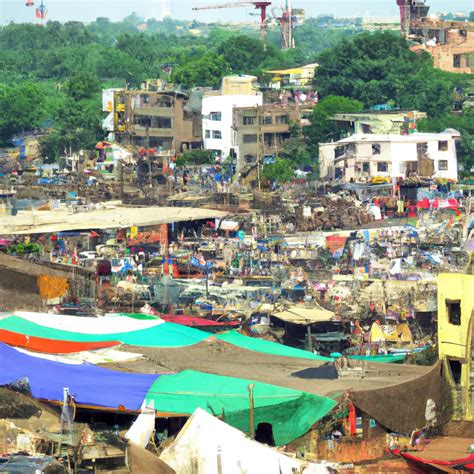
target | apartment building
[
  {"x": 261, "y": 131},
  {"x": 167, "y": 120},
  {"x": 362, "y": 157}
]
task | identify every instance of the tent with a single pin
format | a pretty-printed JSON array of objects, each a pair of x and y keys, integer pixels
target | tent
[{"x": 204, "y": 439}]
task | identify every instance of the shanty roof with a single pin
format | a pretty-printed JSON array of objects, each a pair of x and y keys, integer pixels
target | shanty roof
[
  {"x": 303, "y": 315},
  {"x": 296, "y": 70},
  {"x": 38, "y": 222}
]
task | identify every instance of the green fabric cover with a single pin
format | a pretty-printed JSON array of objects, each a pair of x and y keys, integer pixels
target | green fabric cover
[
  {"x": 290, "y": 412},
  {"x": 268, "y": 347},
  {"x": 163, "y": 335}
]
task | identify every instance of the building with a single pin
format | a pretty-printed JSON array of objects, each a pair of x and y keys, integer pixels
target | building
[
  {"x": 383, "y": 122},
  {"x": 455, "y": 339},
  {"x": 260, "y": 132},
  {"x": 451, "y": 43},
  {"x": 296, "y": 77},
  {"x": 362, "y": 157},
  {"x": 169, "y": 121},
  {"x": 218, "y": 112}
]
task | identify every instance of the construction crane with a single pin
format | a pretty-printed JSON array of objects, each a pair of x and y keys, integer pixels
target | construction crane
[{"x": 262, "y": 6}]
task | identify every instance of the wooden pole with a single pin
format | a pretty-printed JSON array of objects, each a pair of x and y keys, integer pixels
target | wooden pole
[{"x": 252, "y": 410}]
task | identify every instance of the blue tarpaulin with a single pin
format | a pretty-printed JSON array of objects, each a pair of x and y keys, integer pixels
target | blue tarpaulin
[{"x": 88, "y": 384}]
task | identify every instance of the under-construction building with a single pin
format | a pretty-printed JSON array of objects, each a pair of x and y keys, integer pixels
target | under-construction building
[{"x": 451, "y": 43}]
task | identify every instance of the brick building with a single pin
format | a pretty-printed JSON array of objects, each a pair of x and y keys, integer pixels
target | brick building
[
  {"x": 170, "y": 121},
  {"x": 260, "y": 132}
]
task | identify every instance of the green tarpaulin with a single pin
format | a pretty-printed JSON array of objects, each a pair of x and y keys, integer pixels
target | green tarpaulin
[
  {"x": 267, "y": 347},
  {"x": 163, "y": 335},
  {"x": 290, "y": 412}
]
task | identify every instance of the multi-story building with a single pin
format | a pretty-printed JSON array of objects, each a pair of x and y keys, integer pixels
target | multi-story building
[
  {"x": 169, "y": 121},
  {"x": 218, "y": 111},
  {"x": 260, "y": 132},
  {"x": 451, "y": 43},
  {"x": 362, "y": 157},
  {"x": 456, "y": 341}
]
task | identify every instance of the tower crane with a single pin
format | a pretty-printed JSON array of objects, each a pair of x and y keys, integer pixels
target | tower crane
[{"x": 262, "y": 6}]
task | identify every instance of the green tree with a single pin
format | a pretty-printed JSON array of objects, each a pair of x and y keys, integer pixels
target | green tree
[
  {"x": 82, "y": 86},
  {"x": 281, "y": 171},
  {"x": 378, "y": 68},
  {"x": 204, "y": 71},
  {"x": 323, "y": 128},
  {"x": 22, "y": 109}
]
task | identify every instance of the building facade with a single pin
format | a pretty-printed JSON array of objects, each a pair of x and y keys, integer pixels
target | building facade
[
  {"x": 217, "y": 121},
  {"x": 260, "y": 132},
  {"x": 169, "y": 121},
  {"x": 455, "y": 339},
  {"x": 362, "y": 157}
]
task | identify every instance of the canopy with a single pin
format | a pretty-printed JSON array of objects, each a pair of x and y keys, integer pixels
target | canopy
[
  {"x": 303, "y": 315},
  {"x": 90, "y": 385},
  {"x": 153, "y": 333},
  {"x": 109, "y": 218},
  {"x": 290, "y": 412}
]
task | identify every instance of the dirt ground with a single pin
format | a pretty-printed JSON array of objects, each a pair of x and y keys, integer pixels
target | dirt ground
[{"x": 300, "y": 374}]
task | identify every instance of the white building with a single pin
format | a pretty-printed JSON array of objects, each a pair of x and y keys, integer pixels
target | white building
[
  {"x": 217, "y": 121},
  {"x": 362, "y": 157}
]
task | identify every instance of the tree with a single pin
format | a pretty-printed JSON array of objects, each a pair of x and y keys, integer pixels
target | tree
[
  {"x": 82, "y": 86},
  {"x": 22, "y": 109},
  {"x": 280, "y": 171},
  {"x": 323, "y": 128},
  {"x": 204, "y": 71},
  {"x": 376, "y": 68}
]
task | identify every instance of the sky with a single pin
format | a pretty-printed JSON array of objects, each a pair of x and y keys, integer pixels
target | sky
[{"x": 88, "y": 10}]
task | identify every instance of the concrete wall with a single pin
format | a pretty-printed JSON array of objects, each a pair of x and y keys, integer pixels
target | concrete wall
[{"x": 224, "y": 104}]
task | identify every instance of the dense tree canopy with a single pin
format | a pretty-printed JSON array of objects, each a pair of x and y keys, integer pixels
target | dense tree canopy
[{"x": 379, "y": 68}]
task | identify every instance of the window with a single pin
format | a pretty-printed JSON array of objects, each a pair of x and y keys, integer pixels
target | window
[
  {"x": 267, "y": 120},
  {"x": 339, "y": 151},
  {"x": 443, "y": 165},
  {"x": 208, "y": 134},
  {"x": 456, "y": 60},
  {"x": 250, "y": 159},
  {"x": 249, "y": 120},
  {"x": 281, "y": 119},
  {"x": 421, "y": 150},
  {"x": 366, "y": 167},
  {"x": 443, "y": 146},
  {"x": 454, "y": 312},
  {"x": 250, "y": 138},
  {"x": 382, "y": 167},
  {"x": 215, "y": 116},
  {"x": 217, "y": 135},
  {"x": 376, "y": 149}
]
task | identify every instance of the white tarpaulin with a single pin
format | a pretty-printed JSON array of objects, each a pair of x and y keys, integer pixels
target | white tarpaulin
[
  {"x": 112, "y": 324},
  {"x": 206, "y": 445},
  {"x": 142, "y": 429}
]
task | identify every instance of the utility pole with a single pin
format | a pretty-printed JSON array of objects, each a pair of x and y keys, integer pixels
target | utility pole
[{"x": 148, "y": 155}]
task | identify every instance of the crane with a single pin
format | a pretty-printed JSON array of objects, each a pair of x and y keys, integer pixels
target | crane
[{"x": 262, "y": 6}]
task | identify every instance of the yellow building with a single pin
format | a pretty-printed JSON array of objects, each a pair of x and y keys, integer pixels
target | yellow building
[
  {"x": 455, "y": 339},
  {"x": 296, "y": 77}
]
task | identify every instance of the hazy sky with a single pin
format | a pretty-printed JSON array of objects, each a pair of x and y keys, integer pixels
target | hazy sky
[{"x": 88, "y": 10}]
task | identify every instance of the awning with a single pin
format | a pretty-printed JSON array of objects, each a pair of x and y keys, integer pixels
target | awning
[
  {"x": 118, "y": 217},
  {"x": 303, "y": 315}
]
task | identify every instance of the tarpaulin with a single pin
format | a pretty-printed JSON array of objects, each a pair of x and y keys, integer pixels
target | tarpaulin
[
  {"x": 161, "y": 335},
  {"x": 52, "y": 287},
  {"x": 290, "y": 412},
  {"x": 267, "y": 347},
  {"x": 88, "y": 384}
]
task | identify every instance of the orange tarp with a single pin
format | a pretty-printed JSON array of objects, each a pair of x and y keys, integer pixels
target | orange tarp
[{"x": 52, "y": 287}]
